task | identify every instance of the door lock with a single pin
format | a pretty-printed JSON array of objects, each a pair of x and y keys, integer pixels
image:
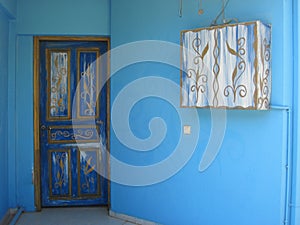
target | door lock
[{"x": 99, "y": 122}]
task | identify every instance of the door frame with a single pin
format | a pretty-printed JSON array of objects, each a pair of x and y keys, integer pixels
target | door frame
[{"x": 36, "y": 92}]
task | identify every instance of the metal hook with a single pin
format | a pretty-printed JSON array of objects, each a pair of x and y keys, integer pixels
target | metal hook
[
  {"x": 222, "y": 12},
  {"x": 180, "y": 8},
  {"x": 200, "y": 8}
]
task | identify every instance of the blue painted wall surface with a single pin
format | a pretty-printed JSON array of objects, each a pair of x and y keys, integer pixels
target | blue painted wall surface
[
  {"x": 37, "y": 17},
  {"x": 296, "y": 157},
  {"x": 4, "y": 27},
  {"x": 24, "y": 123},
  {"x": 68, "y": 17},
  {"x": 246, "y": 184},
  {"x": 12, "y": 116},
  {"x": 9, "y": 7}
]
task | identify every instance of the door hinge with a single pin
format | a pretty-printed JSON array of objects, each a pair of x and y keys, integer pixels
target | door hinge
[{"x": 32, "y": 175}]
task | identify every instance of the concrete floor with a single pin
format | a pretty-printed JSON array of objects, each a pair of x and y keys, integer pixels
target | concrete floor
[{"x": 70, "y": 216}]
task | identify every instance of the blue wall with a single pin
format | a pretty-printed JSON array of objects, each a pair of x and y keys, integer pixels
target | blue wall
[
  {"x": 4, "y": 30},
  {"x": 247, "y": 182},
  {"x": 9, "y": 7},
  {"x": 296, "y": 156},
  {"x": 68, "y": 17}
]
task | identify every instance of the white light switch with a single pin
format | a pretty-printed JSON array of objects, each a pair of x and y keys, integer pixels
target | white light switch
[{"x": 187, "y": 129}]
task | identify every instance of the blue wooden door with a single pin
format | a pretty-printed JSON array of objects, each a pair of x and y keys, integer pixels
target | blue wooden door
[{"x": 73, "y": 122}]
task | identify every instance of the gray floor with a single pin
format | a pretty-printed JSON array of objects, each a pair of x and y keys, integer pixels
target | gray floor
[{"x": 70, "y": 216}]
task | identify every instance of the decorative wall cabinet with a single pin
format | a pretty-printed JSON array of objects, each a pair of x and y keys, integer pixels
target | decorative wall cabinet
[{"x": 227, "y": 66}]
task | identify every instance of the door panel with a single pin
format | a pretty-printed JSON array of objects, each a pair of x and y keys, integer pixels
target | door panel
[
  {"x": 89, "y": 180},
  {"x": 73, "y": 123},
  {"x": 58, "y": 91},
  {"x": 59, "y": 173},
  {"x": 87, "y": 96}
]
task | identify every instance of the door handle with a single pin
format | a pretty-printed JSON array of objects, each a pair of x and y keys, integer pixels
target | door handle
[
  {"x": 44, "y": 127},
  {"x": 99, "y": 122}
]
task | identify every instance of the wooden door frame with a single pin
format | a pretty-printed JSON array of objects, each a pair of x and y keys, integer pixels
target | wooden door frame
[{"x": 36, "y": 84}]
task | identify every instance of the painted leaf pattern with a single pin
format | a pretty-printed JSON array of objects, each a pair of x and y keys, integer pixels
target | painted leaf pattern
[
  {"x": 234, "y": 73},
  {"x": 233, "y": 52},
  {"x": 205, "y": 51}
]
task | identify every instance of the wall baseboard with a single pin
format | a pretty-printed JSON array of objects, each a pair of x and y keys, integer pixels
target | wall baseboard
[
  {"x": 8, "y": 216},
  {"x": 130, "y": 219}
]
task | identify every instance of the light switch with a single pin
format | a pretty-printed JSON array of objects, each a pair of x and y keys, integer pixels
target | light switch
[{"x": 187, "y": 129}]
